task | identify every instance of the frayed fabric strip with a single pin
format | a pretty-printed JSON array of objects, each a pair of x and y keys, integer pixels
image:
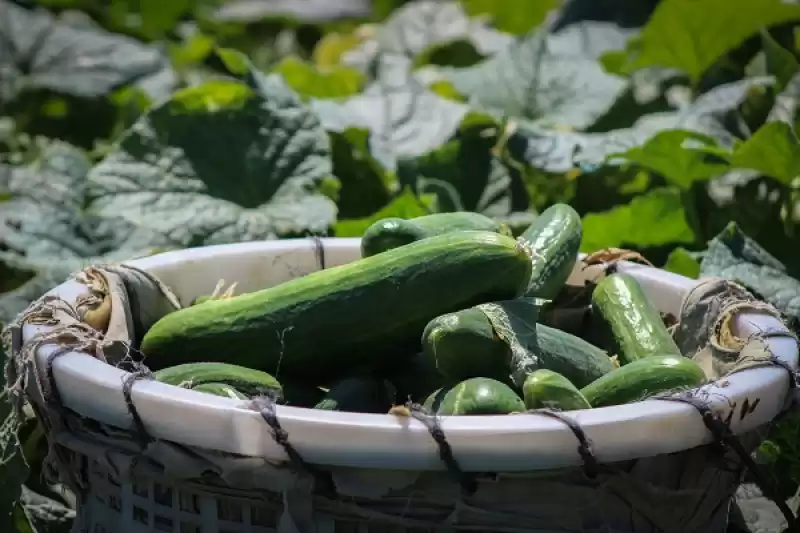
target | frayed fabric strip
[
  {"x": 127, "y": 388},
  {"x": 590, "y": 464}
]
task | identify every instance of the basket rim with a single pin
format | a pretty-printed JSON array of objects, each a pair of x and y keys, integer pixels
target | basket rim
[{"x": 93, "y": 389}]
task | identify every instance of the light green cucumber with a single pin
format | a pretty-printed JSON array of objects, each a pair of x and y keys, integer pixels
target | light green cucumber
[
  {"x": 220, "y": 389},
  {"x": 480, "y": 396},
  {"x": 245, "y": 380},
  {"x": 389, "y": 233},
  {"x": 545, "y": 388},
  {"x": 358, "y": 316},
  {"x": 632, "y": 324}
]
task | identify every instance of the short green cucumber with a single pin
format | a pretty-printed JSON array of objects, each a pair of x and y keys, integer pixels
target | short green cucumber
[
  {"x": 480, "y": 396},
  {"x": 555, "y": 240},
  {"x": 245, "y": 380},
  {"x": 359, "y": 395},
  {"x": 633, "y": 325},
  {"x": 465, "y": 344},
  {"x": 642, "y": 378},
  {"x": 415, "y": 379},
  {"x": 545, "y": 388},
  {"x": 357, "y": 316},
  {"x": 220, "y": 389},
  {"x": 389, "y": 233}
]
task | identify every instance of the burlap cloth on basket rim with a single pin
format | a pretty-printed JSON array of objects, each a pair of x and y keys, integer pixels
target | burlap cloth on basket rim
[{"x": 682, "y": 492}]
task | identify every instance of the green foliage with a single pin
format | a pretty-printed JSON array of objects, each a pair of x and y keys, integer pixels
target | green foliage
[{"x": 131, "y": 127}]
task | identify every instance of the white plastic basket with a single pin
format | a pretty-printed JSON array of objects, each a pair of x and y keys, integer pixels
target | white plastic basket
[{"x": 93, "y": 390}]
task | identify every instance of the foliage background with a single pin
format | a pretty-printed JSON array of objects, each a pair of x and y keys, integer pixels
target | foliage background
[{"x": 133, "y": 126}]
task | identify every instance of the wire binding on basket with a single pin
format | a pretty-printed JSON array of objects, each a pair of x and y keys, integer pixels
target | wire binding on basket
[
  {"x": 590, "y": 463},
  {"x": 467, "y": 482},
  {"x": 319, "y": 251},
  {"x": 142, "y": 372},
  {"x": 265, "y": 405}
]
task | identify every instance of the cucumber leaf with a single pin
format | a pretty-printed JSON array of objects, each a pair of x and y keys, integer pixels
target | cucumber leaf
[
  {"x": 733, "y": 254},
  {"x": 40, "y": 51},
  {"x": 692, "y": 36},
  {"x": 506, "y": 15},
  {"x": 310, "y": 81},
  {"x": 655, "y": 218},
  {"x": 773, "y": 150},
  {"x": 220, "y": 162},
  {"x": 683, "y": 262},
  {"x": 781, "y": 62},
  {"x": 405, "y": 205}
]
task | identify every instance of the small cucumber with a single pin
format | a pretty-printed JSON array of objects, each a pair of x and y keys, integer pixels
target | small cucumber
[
  {"x": 480, "y": 396},
  {"x": 389, "y": 233},
  {"x": 555, "y": 240},
  {"x": 634, "y": 326},
  {"x": 434, "y": 399},
  {"x": 415, "y": 379},
  {"x": 358, "y": 316},
  {"x": 358, "y": 395},
  {"x": 245, "y": 380},
  {"x": 220, "y": 389},
  {"x": 465, "y": 344},
  {"x": 545, "y": 388},
  {"x": 644, "y": 377}
]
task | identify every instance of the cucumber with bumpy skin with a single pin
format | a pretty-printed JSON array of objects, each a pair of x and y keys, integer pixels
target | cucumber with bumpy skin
[
  {"x": 633, "y": 325},
  {"x": 555, "y": 240},
  {"x": 389, "y": 233},
  {"x": 480, "y": 396},
  {"x": 358, "y": 395},
  {"x": 245, "y": 380},
  {"x": 545, "y": 388},
  {"x": 220, "y": 389},
  {"x": 644, "y": 377},
  {"x": 358, "y": 316},
  {"x": 465, "y": 344}
]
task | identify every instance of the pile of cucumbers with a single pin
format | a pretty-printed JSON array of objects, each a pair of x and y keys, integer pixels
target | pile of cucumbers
[{"x": 442, "y": 310}]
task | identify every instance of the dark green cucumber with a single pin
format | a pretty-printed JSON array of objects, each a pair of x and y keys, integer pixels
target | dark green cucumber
[
  {"x": 555, "y": 239},
  {"x": 634, "y": 327},
  {"x": 359, "y": 395},
  {"x": 545, "y": 388},
  {"x": 298, "y": 394},
  {"x": 389, "y": 233},
  {"x": 434, "y": 399},
  {"x": 416, "y": 379},
  {"x": 357, "y": 316},
  {"x": 642, "y": 378},
  {"x": 480, "y": 396},
  {"x": 465, "y": 344},
  {"x": 245, "y": 380},
  {"x": 220, "y": 389}
]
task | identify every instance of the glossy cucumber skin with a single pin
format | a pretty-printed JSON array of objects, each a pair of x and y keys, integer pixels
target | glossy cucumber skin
[
  {"x": 245, "y": 380},
  {"x": 548, "y": 389},
  {"x": 390, "y": 233},
  {"x": 480, "y": 396},
  {"x": 364, "y": 314},
  {"x": 642, "y": 378},
  {"x": 635, "y": 326},
  {"x": 555, "y": 240},
  {"x": 220, "y": 389},
  {"x": 358, "y": 395},
  {"x": 464, "y": 344}
]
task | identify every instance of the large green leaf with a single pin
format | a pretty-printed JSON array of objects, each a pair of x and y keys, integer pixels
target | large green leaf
[
  {"x": 220, "y": 162},
  {"x": 405, "y": 205},
  {"x": 780, "y": 62},
  {"x": 40, "y": 51},
  {"x": 512, "y": 16},
  {"x": 773, "y": 151},
  {"x": 691, "y": 35},
  {"x": 311, "y": 81},
  {"x": 654, "y": 219},
  {"x": 733, "y": 254},
  {"x": 549, "y": 78},
  {"x": 683, "y": 262}
]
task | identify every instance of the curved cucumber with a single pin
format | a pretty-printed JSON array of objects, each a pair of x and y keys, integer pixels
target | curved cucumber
[
  {"x": 555, "y": 240},
  {"x": 328, "y": 324},
  {"x": 220, "y": 389},
  {"x": 480, "y": 396},
  {"x": 358, "y": 395},
  {"x": 545, "y": 388},
  {"x": 389, "y": 233},
  {"x": 642, "y": 378},
  {"x": 465, "y": 344},
  {"x": 632, "y": 322},
  {"x": 245, "y": 380}
]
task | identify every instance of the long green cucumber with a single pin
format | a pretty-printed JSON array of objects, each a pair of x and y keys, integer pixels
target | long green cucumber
[
  {"x": 389, "y": 233},
  {"x": 633, "y": 325},
  {"x": 356, "y": 316},
  {"x": 358, "y": 395},
  {"x": 642, "y": 378},
  {"x": 466, "y": 344},
  {"x": 220, "y": 389},
  {"x": 545, "y": 388},
  {"x": 555, "y": 240},
  {"x": 480, "y": 396},
  {"x": 245, "y": 380}
]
